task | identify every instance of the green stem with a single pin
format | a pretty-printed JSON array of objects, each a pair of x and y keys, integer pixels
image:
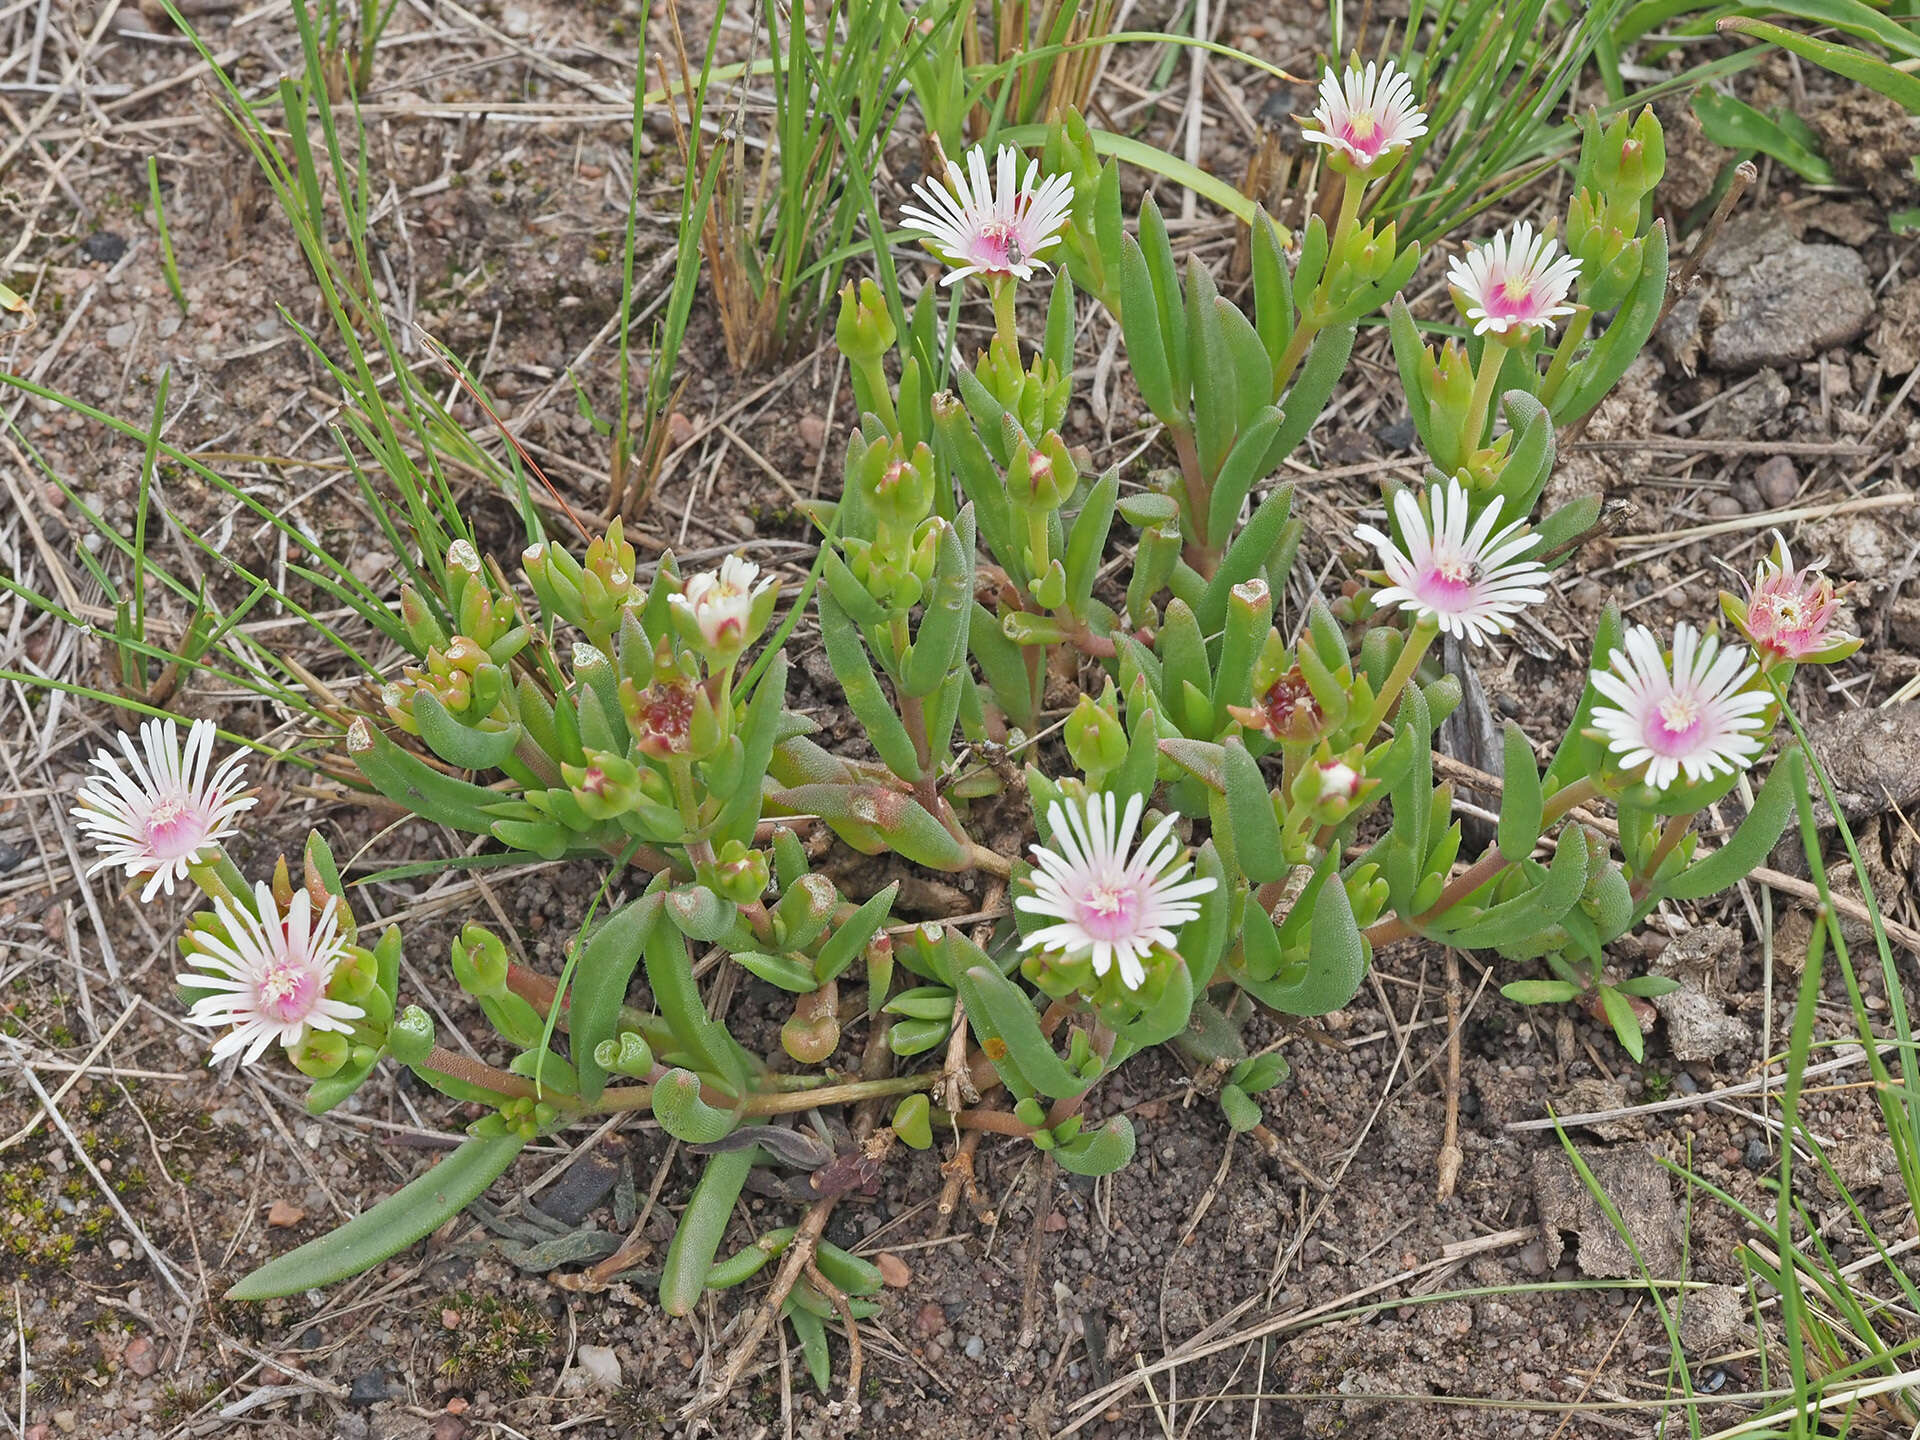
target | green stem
[
  {"x": 1353, "y": 191},
  {"x": 1492, "y": 356},
  {"x": 1674, "y": 831},
  {"x": 1570, "y": 339},
  {"x": 1411, "y": 654},
  {"x": 1001, "y": 288},
  {"x": 880, "y": 393}
]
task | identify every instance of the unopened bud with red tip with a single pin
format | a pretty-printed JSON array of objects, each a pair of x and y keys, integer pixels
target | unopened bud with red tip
[
  {"x": 1041, "y": 478},
  {"x": 605, "y": 787},
  {"x": 422, "y": 627},
  {"x": 1330, "y": 789}
]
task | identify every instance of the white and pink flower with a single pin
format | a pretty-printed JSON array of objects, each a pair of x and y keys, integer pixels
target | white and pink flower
[
  {"x": 1513, "y": 282},
  {"x": 163, "y": 814},
  {"x": 981, "y": 228},
  {"x": 724, "y": 607},
  {"x": 1108, "y": 901},
  {"x": 1368, "y": 116},
  {"x": 267, "y": 975},
  {"x": 1789, "y": 612},
  {"x": 1696, "y": 719},
  {"x": 1470, "y": 582}
]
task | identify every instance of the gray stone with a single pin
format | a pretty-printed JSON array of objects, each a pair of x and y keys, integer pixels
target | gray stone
[
  {"x": 103, "y": 246},
  {"x": 1778, "y": 482},
  {"x": 1791, "y": 303},
  {"x": 600, "y": 1365},
  {"x": 120, "y": 336}
]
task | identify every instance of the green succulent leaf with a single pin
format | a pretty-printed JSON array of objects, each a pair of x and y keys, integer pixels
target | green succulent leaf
[{"x": 411, "y": 1213}]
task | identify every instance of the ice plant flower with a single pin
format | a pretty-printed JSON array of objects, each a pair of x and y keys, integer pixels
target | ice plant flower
[
  {"x": 983, "y": 228},
  {"x": 723, "y": 607},
  {"x": 1107, "y": 900},
  {"x": 1695, "y": 719},
  {"x": 1513, "y": 282},
  {"x": 1470, "y": 583},
  {"x": 1366, "y": 117},
  {"x": 267, "y": 976},
  {"x": 164, "y": 813},
  {"x": 1788, "y": 613}
]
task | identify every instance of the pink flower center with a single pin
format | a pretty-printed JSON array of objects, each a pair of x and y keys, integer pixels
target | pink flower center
[
  {"x": 175, "y": 827},
  {"x": 1363, "y": 134},
  {"x": 1673, "y": 726},
  {"x": 288, "y": 990},
  {"x": 999, "y": 246},
  {"x": 1110, "y": 909},
  {"x": 1447, "y": 584},
  {"x": 1512, "y": 299}
]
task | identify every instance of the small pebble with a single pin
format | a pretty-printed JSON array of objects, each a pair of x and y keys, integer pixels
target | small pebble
[
  {"x": 103, "y": 246},
  {"x": 140, "y": 1357},
  {"x": 282, "y": 1216},
  {"x": 974, "y": 1347},
  {"x": 369, "y": 1388},
  {"x": 1686, "y": 1084},
  {"x": 929, "y": 1320},
  {"x": 66, "y": 1421},
  {"x": 1778, "y": 482},
  {"x": 1758, "y": 1157},
  {"x": 601, "y": 1365},
  {"x": 893, "y": 1270},
  {"x": 1725, "y": 507}
]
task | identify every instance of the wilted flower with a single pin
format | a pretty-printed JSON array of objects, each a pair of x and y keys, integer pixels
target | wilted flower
[
  {"x": 1471, "y": 583},
  {"x": 1108, "y": 900},
  {"x": 660, "y": 716},
  {"x": 1368, "y": 116},
  {"x": 1695, "y": 720},
  {"x": 1286, "y": 710},
  {"x": 163, "y": 814},
  {"x": 1513, "y": 282},
  {"x": 985, "y": 229},
  {"x": 268, "y": 976},
  {"x": 724, "y": 606},
  {"x": 1788, "y": 612}
]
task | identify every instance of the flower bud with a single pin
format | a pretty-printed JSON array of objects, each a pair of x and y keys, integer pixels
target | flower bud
[
  {"x": 605, "y": 787},
  {"x": 422, "y": 628},
  {"x": 865, "y": 330},
  {"x": 355, "y": 977},
  {"x": 480, "y": 962},
  {"x": 738, "y": 873},
  {"x": 319, "y": 1054},
  {"x": 1096, "y": 739},
  {"x": 411, "y": 1036}
]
